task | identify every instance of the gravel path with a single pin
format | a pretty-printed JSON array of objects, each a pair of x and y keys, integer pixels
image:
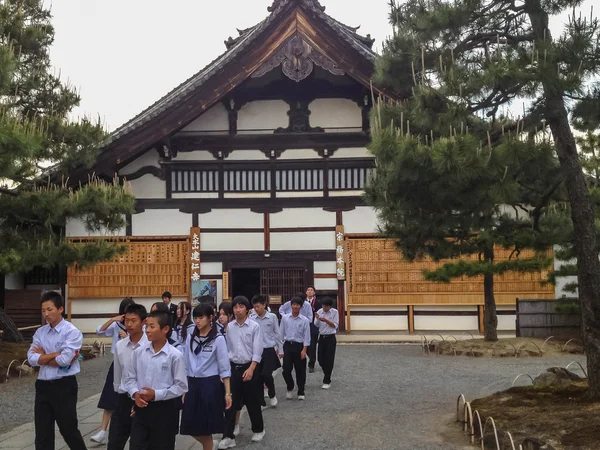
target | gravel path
[
  {"x": 16, "y": 396},
  {"x": 382, "y": 397}
]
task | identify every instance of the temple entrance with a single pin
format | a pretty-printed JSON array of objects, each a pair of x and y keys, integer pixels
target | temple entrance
[{"x": 278, "y": 285}]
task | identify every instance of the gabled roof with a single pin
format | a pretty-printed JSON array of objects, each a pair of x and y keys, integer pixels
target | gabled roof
[{"x": 252, "y": 47}]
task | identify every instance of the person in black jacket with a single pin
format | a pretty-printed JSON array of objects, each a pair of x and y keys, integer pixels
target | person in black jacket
[
  {"x": 315, "y": 304},
  {"x": 166, "y": 298}
]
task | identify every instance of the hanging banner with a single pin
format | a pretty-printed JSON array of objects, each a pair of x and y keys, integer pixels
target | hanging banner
[
  {"x": 225, "y": 286},
  {"x": 194, "y": 260},
  {"x": 340, "y": 252}
]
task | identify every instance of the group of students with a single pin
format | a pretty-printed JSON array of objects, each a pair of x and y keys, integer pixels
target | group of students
[{"x": 181, "y": 370}]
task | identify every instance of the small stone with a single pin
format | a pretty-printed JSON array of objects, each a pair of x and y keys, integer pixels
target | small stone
[
  {"x": 549, "y": 379},
  {"x": 564, "y": 373}
]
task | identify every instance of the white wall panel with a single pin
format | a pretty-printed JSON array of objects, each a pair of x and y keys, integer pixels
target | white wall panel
[
  {"x": 161, "y": 222},
  {"x": 231, "y": 218},
  {"x": 326, "y": 284},
  {"x": 314, "y": 240},
  {"x": 302, "y": 217},
  {"x": 358, "y": 152},
  {"x": 231, "y": 241},
  {"x": 335, "y": 113},
  {"x": 304, "y": 153},
  {"x": 389, "y": 322},
  {"x": 446, "y": 323},
  {"x": 210, "y": 268},
  {"x": 324, "y": 267},
  {"x": 263, "y": 114},
  {"x": 76, "y": 228},
  {"x": 196, "y": 155},
  {"x": 360, "y": 220},
  {"x": 215, "y": 119},
  {"x": 149, "y": 186},
  {"x": 246, "y": 155},
  {"x": 150, "y": 158}
]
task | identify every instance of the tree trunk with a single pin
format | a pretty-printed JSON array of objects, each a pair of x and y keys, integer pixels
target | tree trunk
[
  {"x": 10, "y": 332},
  {"x": 582, "y": 212},
  {"x": 490, "y": 319}
]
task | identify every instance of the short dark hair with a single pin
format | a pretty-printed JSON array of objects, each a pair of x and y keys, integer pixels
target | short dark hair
[
  {"x": 127, "y": 301},
  {"x": 54, "y": 297},
  {"x": 162, "y": 318},
  {"x": 311, "y": 287},
  {"x": 226, "y": 307},
  {"x": 203, "y": 310},
  {"x": 241, "y": 300},
  {"x": 300, "y": 295},
  {"x": 327, "y": 301},
  {"x": 259, "y": 299},
  {"x": 296, "y": 300},
  {"x": 138, "y": 310},
  {"x": 160, "y": 307},
  {"x": 166, "y": 294}
]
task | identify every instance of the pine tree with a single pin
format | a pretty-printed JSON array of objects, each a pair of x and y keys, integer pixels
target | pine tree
[
  {"x": 484, "y": 54},
  {"x": 39, "y": 146}
]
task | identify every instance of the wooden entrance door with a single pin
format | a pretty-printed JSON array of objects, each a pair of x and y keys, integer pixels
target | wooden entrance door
[{"x": 281, "y": 282}]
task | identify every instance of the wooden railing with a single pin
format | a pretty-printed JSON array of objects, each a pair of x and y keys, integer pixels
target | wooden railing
[{"x": 270, "y": 177}]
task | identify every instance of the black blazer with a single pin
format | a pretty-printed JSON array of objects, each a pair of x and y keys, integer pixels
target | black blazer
[{"x": 173, "y": 314}]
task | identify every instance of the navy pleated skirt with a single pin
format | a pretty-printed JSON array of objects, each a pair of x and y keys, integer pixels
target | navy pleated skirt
[
  {"x": 108, "y": 398},
  {"x": 203, "y": 407}
]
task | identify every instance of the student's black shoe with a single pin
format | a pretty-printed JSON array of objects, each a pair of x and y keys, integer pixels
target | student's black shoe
[{"x": 311, "y": 370}]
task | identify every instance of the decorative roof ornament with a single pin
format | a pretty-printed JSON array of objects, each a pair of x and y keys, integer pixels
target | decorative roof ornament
[
  {"x": 308, "y": 3},
  {"x": 297, "y": 59}
]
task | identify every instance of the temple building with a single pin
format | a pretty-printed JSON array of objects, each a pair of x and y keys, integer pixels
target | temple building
[{"x": 249, "y": 178}]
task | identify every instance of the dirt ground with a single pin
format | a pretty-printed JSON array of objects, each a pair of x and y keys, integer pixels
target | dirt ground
[
  {"x": 562, "y": 418},
  {"x": 506, "y": 347}
]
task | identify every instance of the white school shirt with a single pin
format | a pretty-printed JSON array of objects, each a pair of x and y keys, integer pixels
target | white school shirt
[
  {"x": 269, "y": 325},
  {"x": 122, "y": 360},
  {"x": 333, "y": 316},
  {"x": 112, "y": 331},
  {"x": 212, "y": 360},
  {"x": 163, "y": 371},
  {"x": 177, "y": 332},
  {"x": 63, "y": 338},
  {"x": 295, "y": 329},
  {"x": 305, "y": 311},
  {"x": 244, "y": 342}
]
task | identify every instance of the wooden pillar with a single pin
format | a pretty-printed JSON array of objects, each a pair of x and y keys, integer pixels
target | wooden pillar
[
  {"x": 267, "y": 231},
  {"x": 411, "y": 319},
  {"x": 480, "y": 312}
]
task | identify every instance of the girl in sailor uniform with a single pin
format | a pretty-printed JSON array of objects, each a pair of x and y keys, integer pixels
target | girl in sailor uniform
[{"x": 208, "y": 367}]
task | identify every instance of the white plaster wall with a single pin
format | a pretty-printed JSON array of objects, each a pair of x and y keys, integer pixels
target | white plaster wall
[
  {"x": 355, "y": 193},
  {"x": 356, "y": 152},
  {"x": 231, "y": 218},
  {"x": 76, "y": 228},
  {"x": 161, "y": 222},
  {"x": 303, "y": 153},
  {"x": 195, "y": 195},
  {"x": 313, "y": 240},
  {"x": 302, "y": 217},
  {"x": 210, "y": 268},
  {"x": 507, "y": 322},
  {"x": 559, "y": 289},
  {"x": 389, "y": 322},
  {"x": 13, "y": 282},
  {"x": 360, "y": 220},
  {"x": 231, "y": 241},
  {"x": 246, "y": 155},
  {"x": 326, "y": 284},
  {"x": 446, "y": 323},
  {"x": 335, "y": 113},
  {"x": 149, "y": 186},
  {"x": 196, "y": 155},
  {"x": 300, "y": 194},
  {"x": 324, "y": 267},
  {"x": 150, "y": 158},
  {"x": 263, "y": 115},
  {"x": 215, "y": 119}
]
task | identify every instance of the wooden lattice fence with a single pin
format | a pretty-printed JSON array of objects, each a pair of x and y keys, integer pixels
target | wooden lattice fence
[
  {"x": 377, "y": 275},
  {"x": 149, "y": 267}
]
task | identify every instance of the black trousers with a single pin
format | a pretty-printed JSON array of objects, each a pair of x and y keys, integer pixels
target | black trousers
[
  {"x": 312, "y": 350},
  {"x": 327, "y": 346},
  {"x": 292, "y": 360},
  {"x": 155, "y": 426},
  {"x": 120, "y": 423},
  {"x": 56, "y": 401},
  {"x": 249, "y": 393}
]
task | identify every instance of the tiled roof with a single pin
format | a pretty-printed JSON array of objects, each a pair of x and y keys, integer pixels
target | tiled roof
[{"x": 234, "y": 47}]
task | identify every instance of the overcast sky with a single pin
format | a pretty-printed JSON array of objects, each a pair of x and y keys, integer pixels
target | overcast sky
[{"x": 124, "y": 55}]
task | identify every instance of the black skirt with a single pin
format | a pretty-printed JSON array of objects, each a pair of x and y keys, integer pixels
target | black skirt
[
  {"x": 109, "y": 398},
  {"x": 269, "y": 362},
  {"x": 203, "y": 407}
]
